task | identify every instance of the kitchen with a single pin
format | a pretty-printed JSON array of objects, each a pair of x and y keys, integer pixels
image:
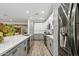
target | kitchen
[
  {"x": 22, "y": 25},
  {"x": 38, "y": 29}
]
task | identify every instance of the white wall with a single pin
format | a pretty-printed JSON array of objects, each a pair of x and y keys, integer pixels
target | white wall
[
  {"x": 39, "y": 27},
  {"x": 42, "y": 27},
  {"x": 30, "y": 27},
  {"x": 55, "y": 41},
  {"x": 49, "y": 21},
  {"x": 55, "y": 35}
]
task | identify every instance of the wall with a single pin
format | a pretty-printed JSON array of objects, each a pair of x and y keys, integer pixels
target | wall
[
  {"x": 55, "y": 35},
  {"x": 42, "y": 27},
  {"x": 55, "y": 41},
  {"x": 39, "y": 28},
  {"x": 30, "y": 27},
  {"x": 49, "y": 21}
]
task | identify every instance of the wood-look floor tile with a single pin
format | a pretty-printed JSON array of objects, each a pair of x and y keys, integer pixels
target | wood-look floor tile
[{"x": 39, "y": 49}]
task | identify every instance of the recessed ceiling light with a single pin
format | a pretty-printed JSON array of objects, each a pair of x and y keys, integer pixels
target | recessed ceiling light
[
  {"x": 27, "y": 11},
  {"x": 42, "y": 12}
]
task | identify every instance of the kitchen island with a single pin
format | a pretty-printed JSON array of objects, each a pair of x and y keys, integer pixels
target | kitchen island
[{"x": 14, "y": 45}]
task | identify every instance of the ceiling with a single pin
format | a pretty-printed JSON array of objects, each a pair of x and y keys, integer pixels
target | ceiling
[{"x": 21, "y": 12}]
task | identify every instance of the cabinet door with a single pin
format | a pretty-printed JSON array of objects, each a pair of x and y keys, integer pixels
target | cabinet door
[
  {"x": 48, "y": 43},
  {"x": 22, "y": 49},
  {"x": 15, "y": 52},
  {"x": 25, "y": 49},
  {"x": 7, "y": 54},
  {"x": 51, "y": 46},
  {"x": 31, "y": 41}
]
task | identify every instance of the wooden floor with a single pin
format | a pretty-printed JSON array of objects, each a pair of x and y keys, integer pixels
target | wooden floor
[{"x": 39, "y": 49}]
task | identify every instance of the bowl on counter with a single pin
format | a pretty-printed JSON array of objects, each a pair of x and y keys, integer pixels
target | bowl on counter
[{"x": 26, "y": 34}]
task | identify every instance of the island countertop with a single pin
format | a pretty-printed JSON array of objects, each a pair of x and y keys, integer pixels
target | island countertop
[{"x": 10, "y": 42}]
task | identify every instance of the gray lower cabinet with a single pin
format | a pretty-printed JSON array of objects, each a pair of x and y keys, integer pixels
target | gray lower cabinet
[
  {"x": 50, "y": 45},
  {"x": 23, "y": 49},
  {"x": 13, "y": 52},
  {"x": 31, "y": 41},
  {"x": 19, "y": 50}
]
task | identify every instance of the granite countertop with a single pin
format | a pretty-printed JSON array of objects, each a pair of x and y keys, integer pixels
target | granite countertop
[{"x": 10, "y": 42}]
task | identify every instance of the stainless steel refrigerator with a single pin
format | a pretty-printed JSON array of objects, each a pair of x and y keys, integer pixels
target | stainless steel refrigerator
[{"x": 68, "y": 31}]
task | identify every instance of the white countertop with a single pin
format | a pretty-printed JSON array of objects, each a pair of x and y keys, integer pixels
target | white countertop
[
  {"x": 10, "y": 42},
  {"x": 50, "y": 36}
]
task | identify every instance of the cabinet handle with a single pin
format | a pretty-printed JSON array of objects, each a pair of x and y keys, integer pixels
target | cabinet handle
[
  {"x": 50, "y": 44},
  {"x": 14, "y": 51},
  {"x": 24, "y": 48}
]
